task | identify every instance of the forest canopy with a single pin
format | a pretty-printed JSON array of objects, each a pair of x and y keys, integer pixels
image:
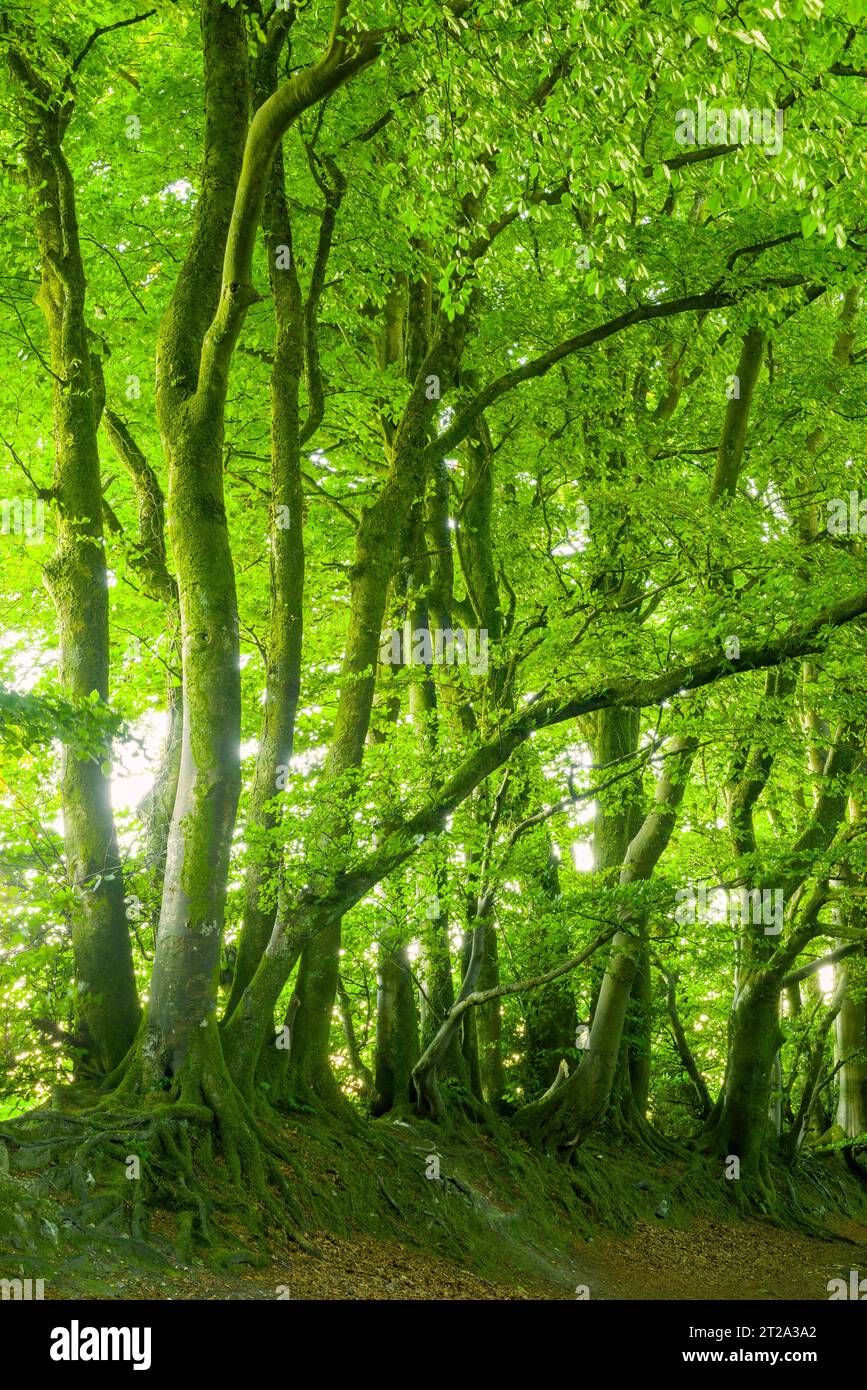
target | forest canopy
[{"x": 432, "y": 561}]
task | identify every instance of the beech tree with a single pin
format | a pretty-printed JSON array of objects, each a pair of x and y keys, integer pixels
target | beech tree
[{"x": 435, "y": 684}]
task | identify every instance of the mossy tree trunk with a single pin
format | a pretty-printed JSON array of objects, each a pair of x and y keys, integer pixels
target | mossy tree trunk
[
  {"x": 283, "y": 643},
  {"x": 384, "y": 535},
  {"x": 149, "y": 561},
  {"x": 396, "y": 1029},
  {"x": 106, "y": 1000},
  {"x": 489, "y": 1025},
  {"x": 740, "y": 1125},
  {"x": 850, "y": 1038},
  {"x": 439, "y": 990},
  {"x": 581, "y": 1102},
  {"x": 192, "y": 381},
  {"x": 851, "y": 1057},
  {"x": 425, "y": 1074},
  {"x": 198, "y": 335},
  {"x": 617, "y": 819}
]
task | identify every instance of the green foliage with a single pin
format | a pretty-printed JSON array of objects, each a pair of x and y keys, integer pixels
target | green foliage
[{"x": 482, "y": 160}]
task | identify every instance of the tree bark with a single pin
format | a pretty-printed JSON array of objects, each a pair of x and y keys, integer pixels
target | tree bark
[
  {"x": 283, "y": 644},
  {"x": 106, "y": 1001},
  {"x": 191, "y": 395},
  {"x": 740, "y": 1127},
  {"x": 579, "y": 1104},
  {"x": 396, "y": 1030}
]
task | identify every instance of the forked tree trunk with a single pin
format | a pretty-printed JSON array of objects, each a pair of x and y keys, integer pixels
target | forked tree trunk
[
  {"x": 581, "y": 1102},
  {"x": 192, "y": 381}
]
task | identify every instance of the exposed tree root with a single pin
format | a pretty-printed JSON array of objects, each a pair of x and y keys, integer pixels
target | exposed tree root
[
  {"x": 753, "y": 1188},
  {"x": 191, "y": 1145}
]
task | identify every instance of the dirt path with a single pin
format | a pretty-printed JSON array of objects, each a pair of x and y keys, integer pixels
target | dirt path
[
  {"x": 362, "y": 1268},
  {"x": 710, "y": 1260}
]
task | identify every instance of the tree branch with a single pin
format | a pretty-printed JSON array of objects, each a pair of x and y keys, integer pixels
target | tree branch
[{"x": 538, "y": 366}]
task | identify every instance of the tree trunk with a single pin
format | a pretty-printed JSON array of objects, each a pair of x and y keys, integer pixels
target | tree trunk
[
  {"x": 396, "y": 1030},
  {"x": 383, "y": 535},
  {"x": 106, "y": 1001},
  {"x": 186, "y": 964},
  {"x": 579, "y": 1104},
  {"x": 439, "y": 992},
  {"x": 851, "y": 1055},
  {"x": 149, "y": 562},
  {"x": 739, "y": 1128},
  {"x": 551, "y": 1015},
  {"x": 638, "y": 1028},
  {"x": 286, "y": 591},
  {"x": 489, "y": 1025},
  {"x": 429, "y": 1100}
]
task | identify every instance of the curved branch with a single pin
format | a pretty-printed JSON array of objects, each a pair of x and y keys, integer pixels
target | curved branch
[{"x": 538, "y": 366}]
